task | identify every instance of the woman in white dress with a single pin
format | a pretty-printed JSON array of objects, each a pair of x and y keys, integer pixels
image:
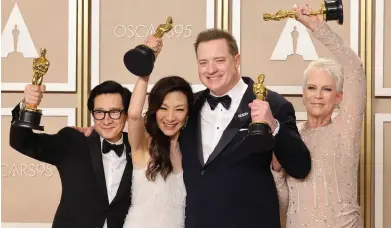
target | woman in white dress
[{"x": 158, "y": 191}]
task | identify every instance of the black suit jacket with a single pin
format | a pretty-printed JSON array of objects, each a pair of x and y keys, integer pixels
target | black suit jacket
[
  {"x": 84, "y": 202},
  {"x": 235, "y": 187}
]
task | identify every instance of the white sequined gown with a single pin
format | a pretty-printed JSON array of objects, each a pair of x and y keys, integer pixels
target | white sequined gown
[
  {"x": 328, "y": 196},
  {"x": 159, "y": 204}
]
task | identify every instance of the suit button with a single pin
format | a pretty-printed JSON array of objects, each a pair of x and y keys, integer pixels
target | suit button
[{"x": 202, "y": 172}]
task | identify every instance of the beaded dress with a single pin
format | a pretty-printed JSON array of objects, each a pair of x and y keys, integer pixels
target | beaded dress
[{"x": 328, "y": 196}]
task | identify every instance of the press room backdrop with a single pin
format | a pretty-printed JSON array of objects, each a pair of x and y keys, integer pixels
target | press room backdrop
[{"x": 86, "y": 40}]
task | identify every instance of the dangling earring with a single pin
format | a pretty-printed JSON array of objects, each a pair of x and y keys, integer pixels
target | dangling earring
[
  {"x": 337, "y": 106},
  {"x": 184, "y": 125}
]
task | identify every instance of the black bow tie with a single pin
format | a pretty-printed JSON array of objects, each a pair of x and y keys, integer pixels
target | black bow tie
[
  {"x": 213, "y": 101},
  {"x": 107, "y": 147}
]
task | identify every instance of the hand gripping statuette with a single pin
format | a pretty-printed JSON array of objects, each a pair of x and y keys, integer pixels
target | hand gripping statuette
[
  {"x": 331, "y": 10},
  {"x": 30, "y": 115},
  {"x": 140, "y": 60},
  {"x": 260, "y": 91}
]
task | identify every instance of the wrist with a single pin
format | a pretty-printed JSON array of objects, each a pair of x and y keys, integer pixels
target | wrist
[{"x": 315, "y": 25}]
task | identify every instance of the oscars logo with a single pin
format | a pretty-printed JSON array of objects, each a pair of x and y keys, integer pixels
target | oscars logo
[
  {"x": 294, "y": 40},
  {"x": 15, "y": 38}
]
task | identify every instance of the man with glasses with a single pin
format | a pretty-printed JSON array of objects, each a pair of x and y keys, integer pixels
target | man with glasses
[{"x": 95, "y": 171}]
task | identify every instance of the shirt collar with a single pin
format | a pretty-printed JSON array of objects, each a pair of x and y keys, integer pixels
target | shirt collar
[{"x": 236, "y": 93}]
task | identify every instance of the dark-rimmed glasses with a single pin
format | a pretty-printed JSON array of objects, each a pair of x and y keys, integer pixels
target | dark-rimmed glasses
[{"x": 113, "y": 114}]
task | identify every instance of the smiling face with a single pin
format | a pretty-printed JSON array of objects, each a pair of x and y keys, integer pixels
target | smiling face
[
  {"x": 109, "y": 128},
  {"x": 217, "y": 67},
  {"x": 320, "y": 94},
  {"x": 172, "y": 115}
]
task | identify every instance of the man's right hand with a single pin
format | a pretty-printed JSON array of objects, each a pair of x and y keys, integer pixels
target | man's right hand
[
  {"x": 276, "y": 165},
  {"x": 33, "y": 94},
  {"x": 85, "y": 130}
]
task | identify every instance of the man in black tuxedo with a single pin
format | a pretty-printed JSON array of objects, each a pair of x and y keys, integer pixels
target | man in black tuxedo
[
  {"x": 95, "y": 171},
  {"x": 227, "y": 172}
]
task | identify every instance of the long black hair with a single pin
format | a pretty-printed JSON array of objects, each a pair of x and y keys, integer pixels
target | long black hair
[{"x": 159, "y": 148}]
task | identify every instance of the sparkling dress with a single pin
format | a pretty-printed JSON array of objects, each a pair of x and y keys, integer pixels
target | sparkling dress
[
  {"x": 328, "y": 196},
  {"x": 158, "y": 204}
]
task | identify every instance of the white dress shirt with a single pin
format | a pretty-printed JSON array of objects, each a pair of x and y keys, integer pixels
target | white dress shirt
[
  {"x": 114, "y": 167},
  {"x": 214, "y": 122}
]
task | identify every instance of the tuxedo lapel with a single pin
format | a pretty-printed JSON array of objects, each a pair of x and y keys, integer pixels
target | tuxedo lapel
[
  {"x": 127, "y": 175},
  {"x": 241, "y": 117},
  {"x": 200, "y": 153},
  {"x": 97, "y": 163}
]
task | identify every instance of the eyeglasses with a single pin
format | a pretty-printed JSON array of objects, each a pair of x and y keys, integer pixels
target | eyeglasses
[{"x": 100, "y": 114}]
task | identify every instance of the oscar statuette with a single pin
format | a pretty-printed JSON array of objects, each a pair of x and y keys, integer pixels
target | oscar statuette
[
  {"x": 331, "y": 10},
  {"x": 140, "y": 60},
  {"x": 260, "y": 91},
  {"x": 30, "y": 115}
]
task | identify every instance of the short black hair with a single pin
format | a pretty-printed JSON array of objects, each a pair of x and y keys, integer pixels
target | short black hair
[{"x": 109, "y": 87}]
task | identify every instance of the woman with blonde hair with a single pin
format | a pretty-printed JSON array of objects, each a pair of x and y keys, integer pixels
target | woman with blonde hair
[{"x": 327, "y": 197}]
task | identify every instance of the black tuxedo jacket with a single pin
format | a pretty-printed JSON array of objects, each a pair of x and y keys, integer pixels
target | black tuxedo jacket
[
  {"x": 84, "y": 202},
  {"x": 235, "y": 187}
]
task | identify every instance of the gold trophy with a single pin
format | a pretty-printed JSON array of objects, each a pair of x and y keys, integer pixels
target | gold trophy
[
  {"x": 30, "y": 115},
  {"x": 140, "y": 60},
  {"x": 260, "y": 91},
  {"x": 331, "y": 10}
]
